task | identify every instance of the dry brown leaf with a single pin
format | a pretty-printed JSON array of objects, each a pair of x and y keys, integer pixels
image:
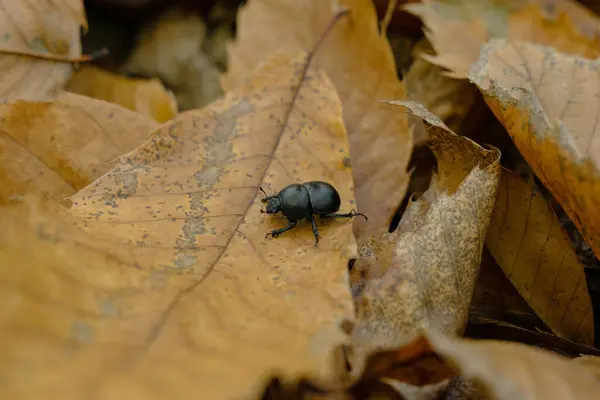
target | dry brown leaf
[
  {"x": 424, "y": 275},
  {"x": 548, "y": 103},
  {"x": 457, "y": 30},
  {"x": 510, "y": 371},
  {"x": 60, "y": 147},
  {"x": 147, "y": 97},
  {"x": 161, "y": 284},
  {"x": 169, "y": 48},
  {"x": 42, "y": 29},
  {"x": 528, "y": 242},
  {"x": 361, "y": 65}
]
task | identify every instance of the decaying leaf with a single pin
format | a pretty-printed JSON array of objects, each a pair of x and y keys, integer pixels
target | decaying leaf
[
  {"x": 528, "y": 242},
  {"x": 159, "y": 282},
  {"x": 549, "y": 105},
  {"x": 361, "y": 65},
  {"x": 147, "y": 97},
  {"x": 423, "y": 275},
  {"x": 170, "y": 48},
  {"x": 458, "y": 29},
  {"x": 509, "y": 370},
  {"x": 60, "y": 147},
  {"x": 37, "y": 29}
]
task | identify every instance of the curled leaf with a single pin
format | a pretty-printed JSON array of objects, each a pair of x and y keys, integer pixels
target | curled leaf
[{"x": 423, "y": 275}]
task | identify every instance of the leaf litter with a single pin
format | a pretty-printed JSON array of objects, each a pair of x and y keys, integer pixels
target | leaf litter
[
  {"x": 163, "y": 261},
  {"x": 178, "y": 244}
]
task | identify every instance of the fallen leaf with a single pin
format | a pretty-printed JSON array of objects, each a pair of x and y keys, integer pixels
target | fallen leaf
[
  {"x": 496, "y": 299},
  {"x": 159, "y": 281},
  {"x": 169, "y": 48},
  {"x": 147, "y": 97},
  {"x": 423, "y": 274},
  {"x": 549, "y": 106},
  {"x": 511, "y": 371},
  {"x": 31, "y": 34},
  {"x": 528, "y": 242},
  {"x": 457, "y": 30},
  {"x": 380, "y": 141},
  {"x": 60, "y": 147}
]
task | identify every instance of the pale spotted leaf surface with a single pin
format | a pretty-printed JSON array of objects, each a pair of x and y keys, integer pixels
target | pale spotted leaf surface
[
  {"x": 549, "y": 103},
  {"x": 529, "y": 243},
  {"x": 423, "y": 274},
  {"x": 60, "y": 147},
  {"x": 39, "y": 27},
  {"x": 159, "y": 282}
]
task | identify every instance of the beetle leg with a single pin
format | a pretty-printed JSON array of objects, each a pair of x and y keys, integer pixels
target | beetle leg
[
  {"x": 276, "y": 232},
  {"x": 314, "y": 229},
  {"x": 351, "y": 214}
]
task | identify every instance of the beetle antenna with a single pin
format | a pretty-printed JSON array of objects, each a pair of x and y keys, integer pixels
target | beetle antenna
[{"x": 265, "y": 193}]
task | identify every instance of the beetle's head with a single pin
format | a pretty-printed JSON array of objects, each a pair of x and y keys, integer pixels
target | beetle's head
[{"x": 273, "y": 205}]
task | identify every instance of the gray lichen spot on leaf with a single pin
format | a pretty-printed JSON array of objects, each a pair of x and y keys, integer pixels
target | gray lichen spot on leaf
[
  {"x": 192, "y": 228},
  {"x": 184, "y": 261},
  {"x": 208, "y": 176},
  {"x": 37, "y": 44},
  {"x": 108, "y": 308},
  {"x": 347, "y": 162},
  {"x": 82, "y": 332},
  {"x": 218, "y": 149},
  {"x": 128, "y": 180},
  {"x": 198, "y": 200}
]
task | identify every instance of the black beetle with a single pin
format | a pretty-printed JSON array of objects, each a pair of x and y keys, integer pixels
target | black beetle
[{"x": 299, "y": 201}]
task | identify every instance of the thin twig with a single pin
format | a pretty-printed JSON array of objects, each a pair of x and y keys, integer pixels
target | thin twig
[{"x": 55, "y": 57}]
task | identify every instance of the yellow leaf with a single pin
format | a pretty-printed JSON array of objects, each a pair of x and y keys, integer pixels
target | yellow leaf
[
  {"x": 548, "y": 103},
  {"x": 148, "y": 97},
  {"x": 360, "y": 63},
  {"x": 423, "y": 275},
  {"x": 159, "y": 282},
  {"x": 528, "y": 242},
  {"x": 60, "y": 147},
  {"x": 457, "y": 30},
  {"x": 37, "y": 29}
]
